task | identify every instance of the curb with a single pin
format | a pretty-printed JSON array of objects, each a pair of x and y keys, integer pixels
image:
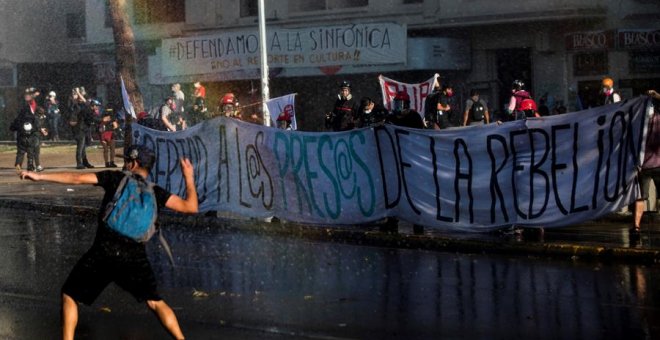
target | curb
[{"x": 562, "y": 251}]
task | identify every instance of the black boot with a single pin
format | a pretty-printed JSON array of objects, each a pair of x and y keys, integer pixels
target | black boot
[{"x": 87, "y": 164}]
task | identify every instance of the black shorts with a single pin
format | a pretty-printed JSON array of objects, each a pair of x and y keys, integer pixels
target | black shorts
[
  {"x": 131, "y": 271},
  {"x": 645, "y": 177}
]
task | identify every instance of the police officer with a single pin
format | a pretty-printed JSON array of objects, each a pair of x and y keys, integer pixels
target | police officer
[
  {"x": 342, "y": 117},
  {"x": 28, "y": 130}
]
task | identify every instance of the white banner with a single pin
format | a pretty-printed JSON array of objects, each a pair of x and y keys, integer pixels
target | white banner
[
  {"x": 417, "y": 92},
  {"x": 549, "y": 172},
  {"x": 283, "y": 107},
  {"x": 359, "y": 44}
]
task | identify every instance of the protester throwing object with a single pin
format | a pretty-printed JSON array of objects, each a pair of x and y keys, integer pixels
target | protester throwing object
[{"x": 126, "y": 220}]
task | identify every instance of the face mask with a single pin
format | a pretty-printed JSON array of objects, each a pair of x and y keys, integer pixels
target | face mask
[
  {"x": 607, "y": 91},
  {"x": 398, "y": 106},
  {"x": 450, "y": 93}
]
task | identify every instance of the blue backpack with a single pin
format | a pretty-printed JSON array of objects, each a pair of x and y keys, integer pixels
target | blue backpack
[{"x": 133, "y": 209}]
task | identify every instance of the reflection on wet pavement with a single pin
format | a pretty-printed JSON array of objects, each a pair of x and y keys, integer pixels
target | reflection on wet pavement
[{"x": 233, "y": 285}]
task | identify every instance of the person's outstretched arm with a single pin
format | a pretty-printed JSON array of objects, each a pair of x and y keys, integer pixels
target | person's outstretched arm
[
  {"x": 61, "y": 177},
  {"x": 188, "y": 205}
]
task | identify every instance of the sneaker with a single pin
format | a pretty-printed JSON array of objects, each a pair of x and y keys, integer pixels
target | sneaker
[{"x": 39, "y": 169}]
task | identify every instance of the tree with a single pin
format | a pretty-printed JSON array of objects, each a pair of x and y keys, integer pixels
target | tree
[{"x": 125, "y": 50}]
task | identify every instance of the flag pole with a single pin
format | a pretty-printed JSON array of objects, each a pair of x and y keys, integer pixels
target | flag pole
[{"x": 263, "y": 50}]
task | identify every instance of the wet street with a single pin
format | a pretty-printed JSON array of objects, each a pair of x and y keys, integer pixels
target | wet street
[{"x": 228, "y": 284}]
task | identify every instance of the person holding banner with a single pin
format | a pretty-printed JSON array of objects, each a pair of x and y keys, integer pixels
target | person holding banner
[
  {"x": 369, "y": 114},
  {"x": 403, "y": 115},
  {"x": 518, "y": 94},
  {"x": 438, "y": 110},
  {"x": 170, "y": 118},
  {"x": 342, "y": 117},
  {"x": 228, "y": 106},
  {"x": 609, "y": 95},
  {"x": 476, "y": 110},
  {"x": 650, "y": 170}
]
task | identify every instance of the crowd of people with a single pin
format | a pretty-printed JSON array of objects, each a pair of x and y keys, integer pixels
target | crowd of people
[
  {"x": 441, "y": 111},
  {"x": 120, "y": 257},
  {"x": 85, "y": 116},
  {"x": 174, "y": 114}
]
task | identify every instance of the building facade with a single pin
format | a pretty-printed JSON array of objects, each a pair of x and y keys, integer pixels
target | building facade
[
  {"x": 36, "y": 39},
  {"x": 560, "y": 49}
]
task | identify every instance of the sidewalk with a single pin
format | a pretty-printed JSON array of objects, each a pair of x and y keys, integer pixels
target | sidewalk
[{"x": 603, "y": 240}]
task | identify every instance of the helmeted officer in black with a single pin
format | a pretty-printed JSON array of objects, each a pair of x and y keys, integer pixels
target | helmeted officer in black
[
  {"x": 27, "y": 128},
  {"x": 342, "y": 117}
]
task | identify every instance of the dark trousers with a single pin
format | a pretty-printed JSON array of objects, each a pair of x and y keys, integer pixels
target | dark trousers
[
  {"x": 54, "y": 127},
  {"x": 28, "y": 144},
  {"x": 81, "y": 146}
]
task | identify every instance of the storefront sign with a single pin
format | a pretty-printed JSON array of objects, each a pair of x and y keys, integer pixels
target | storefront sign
[
  {"x": 583, "y": 41},
  {"x": 639, "y": 39},
  {"x": 364, "y": 44}
]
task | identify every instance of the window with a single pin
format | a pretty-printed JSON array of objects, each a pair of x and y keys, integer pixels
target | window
[
  {"x": 306, "y": 5},
  {"x": 7, "y": 77},
  {"x": 249, "y": 8},
  {"x": 159, "y": 11},
  {"x": 75, "y": 25}
]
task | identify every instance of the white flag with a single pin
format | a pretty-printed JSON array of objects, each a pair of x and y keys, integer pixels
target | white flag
[
  {"x": 283, "y": 109},
  {"x": 128, "y": 107},
  {"x": 417, "y": 92}
]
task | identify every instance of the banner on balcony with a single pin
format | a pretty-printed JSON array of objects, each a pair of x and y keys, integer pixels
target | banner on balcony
[
  {"x": 357, "y": 44},
  {"x": 549, "y": 172}
]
